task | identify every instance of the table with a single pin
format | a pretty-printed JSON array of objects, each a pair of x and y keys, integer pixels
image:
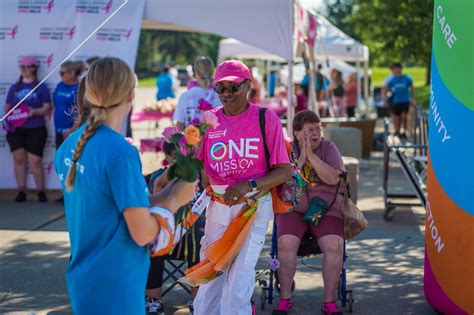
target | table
[
  {"x": 140, "y": 115},
  {"x": 366, "y": 126}
]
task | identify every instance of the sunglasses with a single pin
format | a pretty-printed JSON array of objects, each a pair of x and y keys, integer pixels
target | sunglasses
[{"x": 220, "y": 89}]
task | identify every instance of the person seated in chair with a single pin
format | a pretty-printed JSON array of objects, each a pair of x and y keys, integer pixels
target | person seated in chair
[
  {"x": 187, "y": 248},
  {"x": 321, "y": 164}
]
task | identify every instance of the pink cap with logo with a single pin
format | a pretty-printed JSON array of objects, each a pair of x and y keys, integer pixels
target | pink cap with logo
[
  {"x": 232, "y": 70},
  {"x": 28, "y": 61}
]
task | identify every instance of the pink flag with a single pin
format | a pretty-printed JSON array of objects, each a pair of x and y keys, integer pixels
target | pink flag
[{"x": 311, "y": 33}]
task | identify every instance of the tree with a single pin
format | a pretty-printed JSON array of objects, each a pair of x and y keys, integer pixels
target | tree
[
  {"x": 394, "y": 30},
  {"x": 160, "y": 47}
]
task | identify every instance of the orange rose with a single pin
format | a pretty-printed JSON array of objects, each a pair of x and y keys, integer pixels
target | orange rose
[{"x": 192, "y": 135}]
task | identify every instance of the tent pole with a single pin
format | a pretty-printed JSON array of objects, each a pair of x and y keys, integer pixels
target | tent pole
[
  {"x": 366, "y": 85},
  {"x": 312, "y": 97},
  {"x": 289, "y": 113},
  {"x": 359, "y": 88}
]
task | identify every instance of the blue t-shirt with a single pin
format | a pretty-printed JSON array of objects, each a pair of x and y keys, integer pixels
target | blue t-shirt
[
  {"x": 400, "y": 88},
  {"x": 272, "y": 84},
  {"x": 321, "y": 81},
  {"x": 164, "y": 83},
  {"x": 65, "y": 106},
  {"x": 35, "y": 100},
  {"x": 107, "y": 270}
]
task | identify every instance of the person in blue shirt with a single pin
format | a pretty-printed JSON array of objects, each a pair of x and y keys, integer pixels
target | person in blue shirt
[
  {"x": 106, "y": 200},
  {"x": 64, "y": 99},
  {"x": 321, "y": 85},
  {"x": 165, "y": 85},
  {"x": 272, "y": 82},
  {"x": 402, "y": 94}
]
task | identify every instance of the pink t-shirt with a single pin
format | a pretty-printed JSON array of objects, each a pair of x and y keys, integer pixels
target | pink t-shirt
[{"x": 233, "y": 152}]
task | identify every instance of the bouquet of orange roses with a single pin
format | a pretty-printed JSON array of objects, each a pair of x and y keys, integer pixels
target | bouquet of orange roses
[{"x": 186, "y": 166}]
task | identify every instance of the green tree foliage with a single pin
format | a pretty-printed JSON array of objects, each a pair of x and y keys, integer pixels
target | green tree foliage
[
  {"x": 161, "y": 47},
  {"x": 394, "y": 30}
]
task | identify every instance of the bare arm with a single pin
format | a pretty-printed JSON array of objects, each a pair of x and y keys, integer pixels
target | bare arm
[
  {"x": 279, "y": 174},
  {"x": 42, "y": 111},
  {"x": 180, "y": 125},
  {"x": 412, "y": 92},
  {"x": 326, "y": 173},
  {"x": 175, "y": 194},
  {"x": 384, "y": 93},
  {"x": 142, "y": 226}
]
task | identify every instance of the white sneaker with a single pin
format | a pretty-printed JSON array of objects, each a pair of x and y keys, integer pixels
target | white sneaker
[{"x": 154, "y": 307}]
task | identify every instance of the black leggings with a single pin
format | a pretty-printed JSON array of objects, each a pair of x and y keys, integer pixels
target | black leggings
[{"x": 157, "y": 264}]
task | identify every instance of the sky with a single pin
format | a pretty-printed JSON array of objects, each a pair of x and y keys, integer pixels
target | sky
[{"x": 312, "y": 4}]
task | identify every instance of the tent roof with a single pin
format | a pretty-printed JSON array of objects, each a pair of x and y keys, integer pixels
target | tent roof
[
  {"x": 331, "y": 43},
  {"x": 264, "y": 24}
]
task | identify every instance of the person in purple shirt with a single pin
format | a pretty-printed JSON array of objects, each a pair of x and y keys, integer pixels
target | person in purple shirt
[{"x": 27, "y": 141}]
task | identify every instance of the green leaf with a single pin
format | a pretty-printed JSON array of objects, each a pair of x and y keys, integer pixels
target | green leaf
[{"x": 176, "y": 137}]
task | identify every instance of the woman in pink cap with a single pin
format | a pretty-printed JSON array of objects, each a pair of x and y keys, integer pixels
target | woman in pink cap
[
  {"x": 235, "y": 163},
  {"x": 27, "y": 139}
]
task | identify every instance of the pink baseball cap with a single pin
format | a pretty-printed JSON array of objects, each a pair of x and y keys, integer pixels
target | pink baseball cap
[
  {"x": 232, "y": 70},
  {"x": 28, "y": 61}
]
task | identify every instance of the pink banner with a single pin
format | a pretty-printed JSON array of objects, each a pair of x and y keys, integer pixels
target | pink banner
[{"x": 311, "y": 33}]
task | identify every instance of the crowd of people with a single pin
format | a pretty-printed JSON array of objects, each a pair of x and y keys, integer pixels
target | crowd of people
[
  {"x": 112, "y": 215},
  {"x": 28, "y": 140},
  {"x": 334, "y": 96}
]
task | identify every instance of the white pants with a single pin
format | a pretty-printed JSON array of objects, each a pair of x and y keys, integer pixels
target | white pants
[{"x": 230, "y": 293}]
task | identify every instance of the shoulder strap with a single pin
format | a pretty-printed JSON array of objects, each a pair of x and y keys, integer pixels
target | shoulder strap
[{"x": 261, "y": 117}]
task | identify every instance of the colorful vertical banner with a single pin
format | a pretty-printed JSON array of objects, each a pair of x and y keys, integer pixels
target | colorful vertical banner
[
  {"x": 50, "y": 30},
  {"x": 449, "y": 240}
]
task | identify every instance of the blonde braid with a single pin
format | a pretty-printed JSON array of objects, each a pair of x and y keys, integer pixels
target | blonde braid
[{"x": 98, "y": 116}]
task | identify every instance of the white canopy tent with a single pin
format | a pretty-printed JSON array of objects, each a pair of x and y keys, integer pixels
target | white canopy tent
[
  {"x": 263, "y": 24},
  {"x": 332, "y": 46}
]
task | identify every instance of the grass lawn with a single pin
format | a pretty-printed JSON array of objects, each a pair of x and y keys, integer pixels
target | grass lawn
[
  {"x": 147, "y": 82},
  {"x": 418, "y": 75}
]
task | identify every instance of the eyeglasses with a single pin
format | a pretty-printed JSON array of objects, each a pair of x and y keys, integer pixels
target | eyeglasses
[
  {"x": 220, "y": 89},
  {"x": 312, "y": 130}
]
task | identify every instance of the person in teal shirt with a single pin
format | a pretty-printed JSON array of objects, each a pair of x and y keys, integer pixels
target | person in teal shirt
[
  {"x": 165, "y": 85},
  {"x": 106, "y": 201},
  {"x": 402, "y": 94}
]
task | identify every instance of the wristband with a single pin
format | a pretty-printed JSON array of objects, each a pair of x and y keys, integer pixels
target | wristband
[{"x": 163, "y": 242}]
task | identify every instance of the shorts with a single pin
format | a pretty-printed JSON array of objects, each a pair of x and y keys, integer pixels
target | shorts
[
  {"x": 33, "y": 140},
  {"x": 398, "y": 109},
  {"x": 293, "y": 223},
  {"x": 59, "y": 139}
]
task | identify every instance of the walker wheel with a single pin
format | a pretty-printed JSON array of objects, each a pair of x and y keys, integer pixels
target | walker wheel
[
  {"x": 388, "y": 213},
  {"x": 350, "y": 300}
]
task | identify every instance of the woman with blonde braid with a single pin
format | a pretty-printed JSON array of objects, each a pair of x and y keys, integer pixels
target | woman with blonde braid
[
  {"x": 199, "y": 98},
  {"x": 108, "y": 212}
]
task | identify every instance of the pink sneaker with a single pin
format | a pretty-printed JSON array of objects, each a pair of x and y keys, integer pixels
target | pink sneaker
[
  {"x": 330, "y": 308},
  {"x": 283, "y": 307}
]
